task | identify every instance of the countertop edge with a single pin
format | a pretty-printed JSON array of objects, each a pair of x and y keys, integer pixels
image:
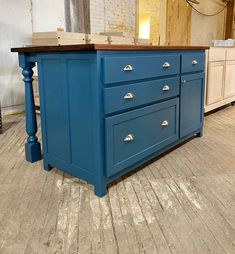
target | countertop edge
[{"x": 95, "y": 47}]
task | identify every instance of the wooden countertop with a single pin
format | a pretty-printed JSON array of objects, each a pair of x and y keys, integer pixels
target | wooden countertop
[{"x": 94, "y": 47}]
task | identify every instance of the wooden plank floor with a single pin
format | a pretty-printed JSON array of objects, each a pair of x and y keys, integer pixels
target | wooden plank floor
[{"x": 184, "y": 202}]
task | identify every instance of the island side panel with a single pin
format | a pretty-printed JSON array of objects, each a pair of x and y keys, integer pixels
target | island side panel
[{"x": 66, "y": 86}]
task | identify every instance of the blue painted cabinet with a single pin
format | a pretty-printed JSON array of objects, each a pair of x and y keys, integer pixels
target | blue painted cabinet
[
  {"x": 191, "y": 103},
  {"x": 105, "y": 112}
]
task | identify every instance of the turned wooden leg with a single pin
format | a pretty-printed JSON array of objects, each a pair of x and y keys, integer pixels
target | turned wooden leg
[{"x": 32, "y": 146}]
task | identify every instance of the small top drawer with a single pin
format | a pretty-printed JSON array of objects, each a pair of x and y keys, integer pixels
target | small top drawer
[
  {"x": 192, "y": 62},
  {"x": 120, "y": 69},
  {"x": 129, "y": 96}
]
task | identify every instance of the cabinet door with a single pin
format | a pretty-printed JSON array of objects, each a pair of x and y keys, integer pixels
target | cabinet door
[
  {"x": 229, "y": 86},
  {"x": 191, "y": 104},
  {"x": 215, "y": 82}
]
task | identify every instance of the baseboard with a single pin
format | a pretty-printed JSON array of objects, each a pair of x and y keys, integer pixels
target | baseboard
[
  {"x": 13, "y": 109},
  {"x": 219, "y": 104}
]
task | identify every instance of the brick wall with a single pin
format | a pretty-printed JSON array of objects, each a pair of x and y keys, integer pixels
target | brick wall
[
  {"x": 113, "y": 15},
  {"x": 153, "y": 8}
]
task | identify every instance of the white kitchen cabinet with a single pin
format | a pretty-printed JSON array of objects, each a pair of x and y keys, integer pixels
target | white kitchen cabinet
[
  {"x": 220, "y": 86},
  {"x": 229, "y": 87},
  {"x": 215, "y": 83}
]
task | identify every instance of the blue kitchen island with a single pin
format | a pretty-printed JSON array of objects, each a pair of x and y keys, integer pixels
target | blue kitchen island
[{"x": 107, "y": 109}]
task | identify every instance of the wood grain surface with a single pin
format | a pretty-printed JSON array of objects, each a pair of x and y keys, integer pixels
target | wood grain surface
[{"x": 94, "y": 47}]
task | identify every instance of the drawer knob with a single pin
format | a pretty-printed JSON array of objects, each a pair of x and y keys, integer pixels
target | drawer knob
[
  {"x": 194, "y": 62},
  {"x": 165, "y": 123},
  {"x": 129, "y": 96},
  {"x": 129, "y": 138},
  {"x": 128, "y": 68},
  {"x": 166, "y": 65},
  {"x": 166, "y": 88},
  {"x": 184, "y": 81}
]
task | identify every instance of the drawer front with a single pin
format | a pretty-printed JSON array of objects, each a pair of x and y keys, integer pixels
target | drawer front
[
  {"x": 128, "y": 96},
  {"x": 192, "y": 62},
  {"x": 120, "y": 69},
  {"x": 135, "y": 135},
  {"x": 216, "y": 54}
]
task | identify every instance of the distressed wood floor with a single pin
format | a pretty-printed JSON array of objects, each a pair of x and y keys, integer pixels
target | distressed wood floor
[{"x": 184, "y": 202}]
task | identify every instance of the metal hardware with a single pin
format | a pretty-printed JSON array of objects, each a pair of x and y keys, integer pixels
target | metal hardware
[
  {"x": 166, "y": 65},
  {"x": 129, "y": 138},
  {"x": 194, "y": 62},
  {"x": 166, "y": 88},
  {"x": 165, "y": 123},
  {"x": 128, "y": 68},
  {"x": 129, "y": 96},
  {"x": 184, "y": 81}
]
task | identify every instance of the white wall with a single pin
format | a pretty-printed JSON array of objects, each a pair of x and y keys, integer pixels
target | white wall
[
  {"x": 205, "y": 29},
  {"x": 18, "y": 18},
  {"x": 15, "y": 30},
  {"x": 48, "y": 15}
]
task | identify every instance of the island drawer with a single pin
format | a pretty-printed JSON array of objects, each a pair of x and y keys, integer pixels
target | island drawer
[
  {"x": 121, "y": 69},
  {"x": 192, "y": 62},
  {"x": 137, "y": 134},
  {"x": 125, "y": 97}
]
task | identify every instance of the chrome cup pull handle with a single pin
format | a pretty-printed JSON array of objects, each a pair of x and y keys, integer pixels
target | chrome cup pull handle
[
  {"x": 165, "y": 123},
  {"x": 129, "y": 96},
  {"x": 129, "y": 138},
  {"x": 184, "y": 81},
  {"x": 194, "y": 62},
  {"x": 166, "y": 65},
  {"x": 166, "y": 88},
  {"x": 128, "y": 68}
]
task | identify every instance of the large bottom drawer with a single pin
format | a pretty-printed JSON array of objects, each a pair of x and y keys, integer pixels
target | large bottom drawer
[{"x": 134, "y": 135}]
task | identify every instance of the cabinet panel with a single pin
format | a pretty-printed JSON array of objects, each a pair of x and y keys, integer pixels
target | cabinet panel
[
  {"x": 230, "y": 54},
  {"x": 215, "y": 82},
  {"x": 67, "y": 127},
  {"x": 191, "y": 104},
  {"x": 217, "y": 54},
  {"x": 229, "y": 86}
]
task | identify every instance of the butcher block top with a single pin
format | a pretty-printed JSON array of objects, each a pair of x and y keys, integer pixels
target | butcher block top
[{"x": 94, "y": 47}]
